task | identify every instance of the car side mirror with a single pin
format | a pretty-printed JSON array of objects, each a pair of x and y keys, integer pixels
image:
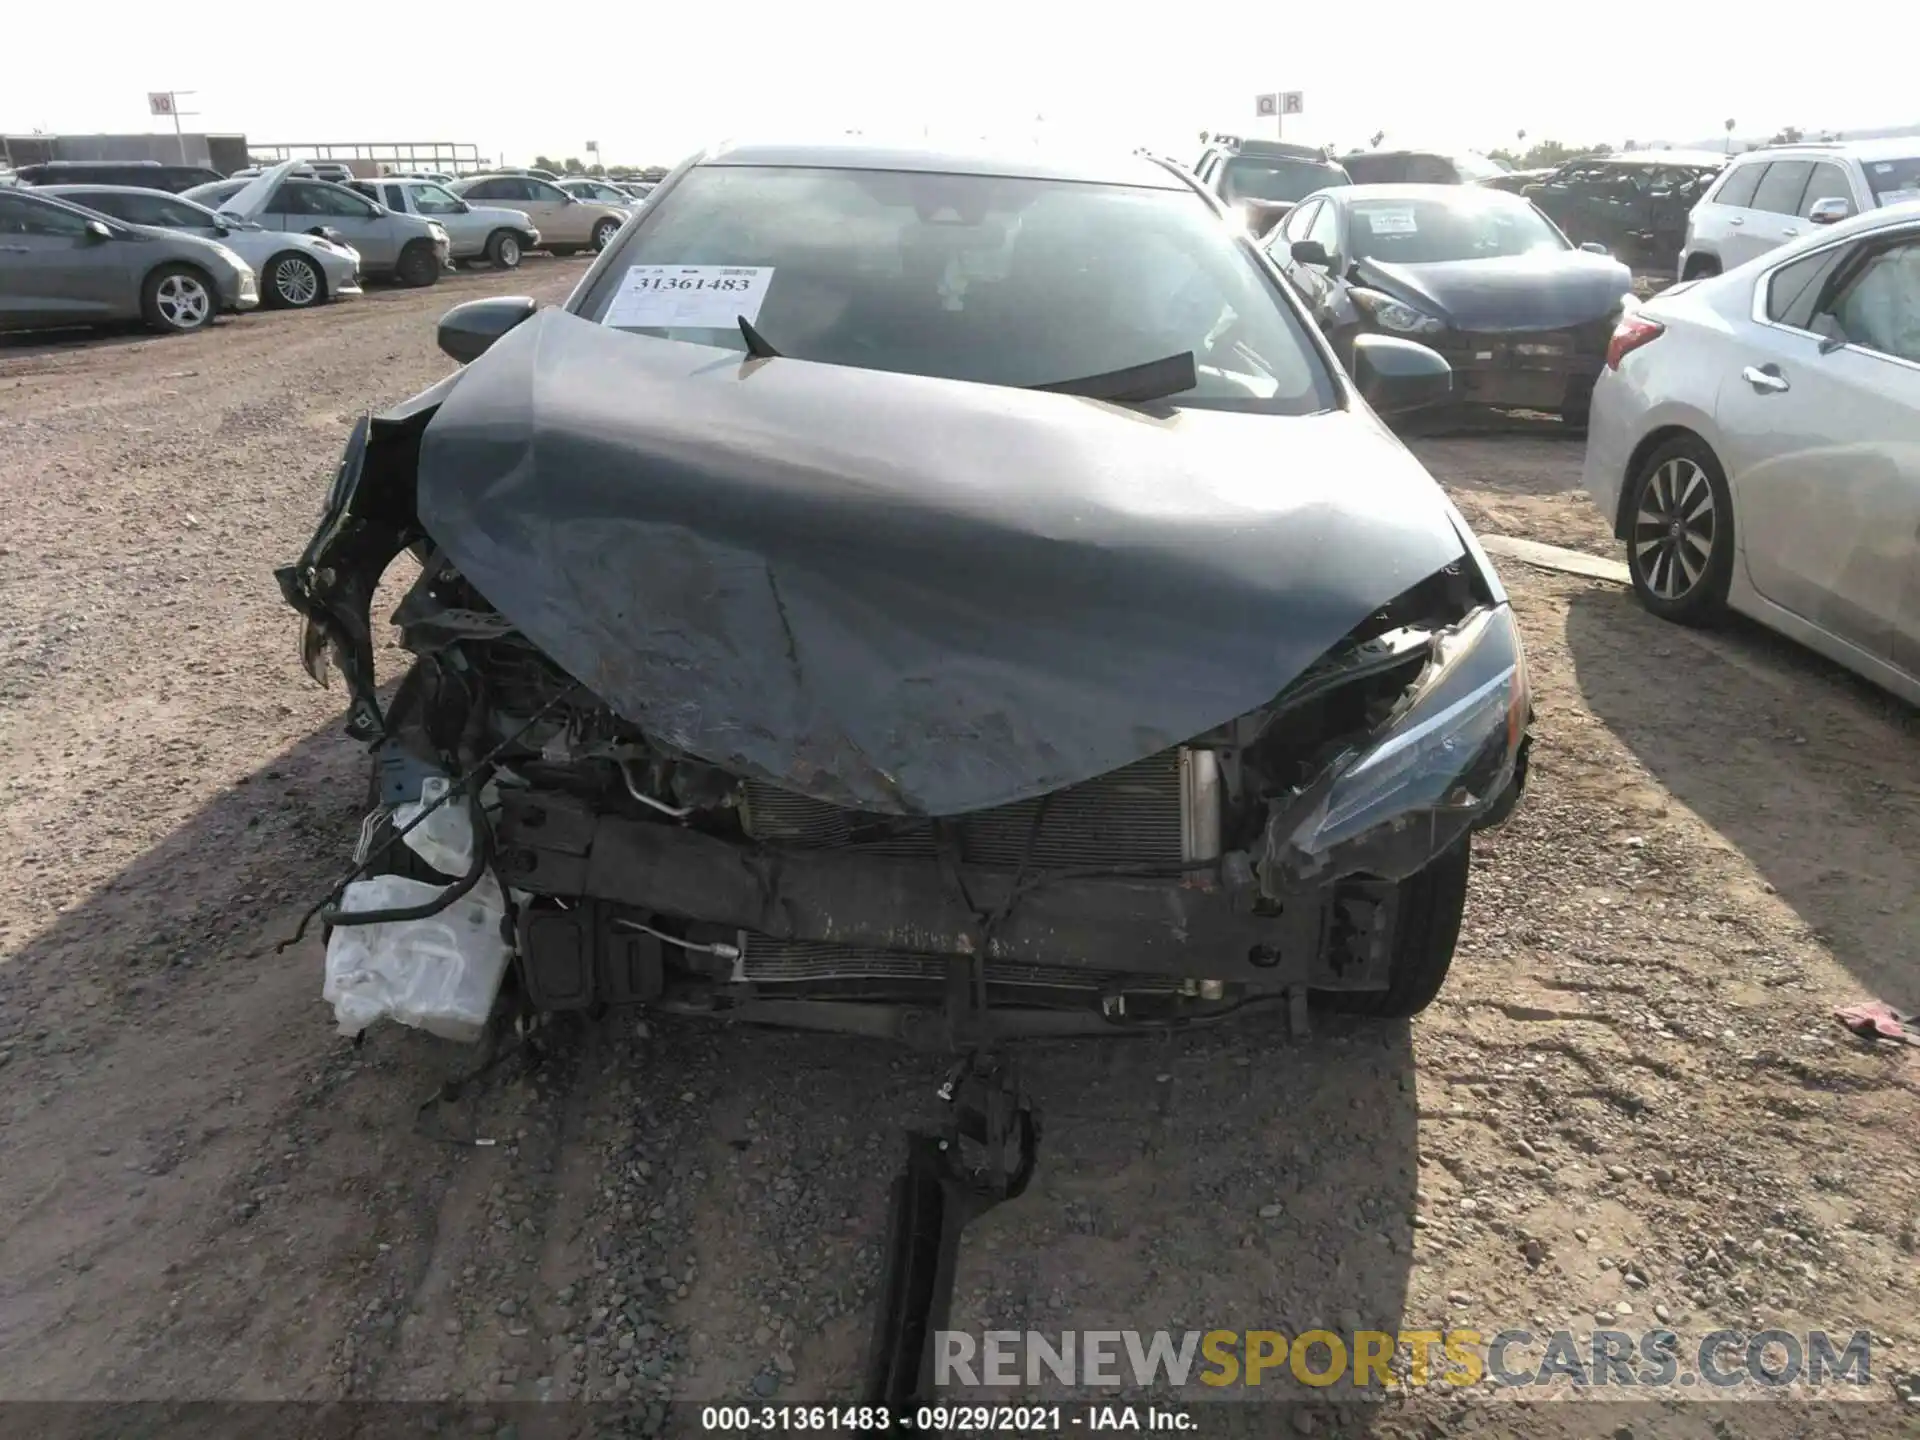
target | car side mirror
[
  {"x": 1594, "y": 247},
  {"x": 1830, "y": 211},
  {"x": 467, "y": 331},
  {"x": 1395, "y": 376},
  {"x": 1311, "y": 252},
  {"x": 99, "y": 230}
]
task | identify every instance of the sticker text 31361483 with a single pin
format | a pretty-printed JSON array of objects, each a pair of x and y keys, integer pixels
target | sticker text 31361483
[{"x": 689, "y": 297}]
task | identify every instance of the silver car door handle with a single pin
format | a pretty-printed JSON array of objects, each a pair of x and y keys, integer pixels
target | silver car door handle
[
  {"x": 1766, "y": 381},
  {"x": 1737, "y": 220},
  {"x": 1791, "y": 230},
  {"x": 15, "y": 249}
]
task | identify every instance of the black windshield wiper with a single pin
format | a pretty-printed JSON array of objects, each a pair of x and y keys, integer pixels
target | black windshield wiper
[
  {"x": 757, "y": 346},
  {"x": 1155, "y": 380},
  {"x": 1134, "y": 385}
]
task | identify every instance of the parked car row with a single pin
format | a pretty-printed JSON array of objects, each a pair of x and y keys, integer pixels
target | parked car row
[
  {"x": 474, "y": 232},
  {"x": 292, "y": 270},
  {"x": 95, "y": 252}
]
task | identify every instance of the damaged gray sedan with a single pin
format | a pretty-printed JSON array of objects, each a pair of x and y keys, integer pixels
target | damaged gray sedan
[{"x": 943, "y": 596}]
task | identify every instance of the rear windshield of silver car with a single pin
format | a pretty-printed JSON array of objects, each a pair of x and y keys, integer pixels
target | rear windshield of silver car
[
  {"x": 1258, "y": 178},
  {"x": 999, "y": 280},
  {"x": 1894, "y": 182}
]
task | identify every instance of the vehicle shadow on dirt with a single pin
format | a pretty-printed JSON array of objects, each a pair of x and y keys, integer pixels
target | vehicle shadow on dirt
[
  {"x": 209, "y": 1194},
  {"x": 1226, "y": 1179},
  {"x": 182, "y": 1150},
  {"x": 1802, "y": 766}
]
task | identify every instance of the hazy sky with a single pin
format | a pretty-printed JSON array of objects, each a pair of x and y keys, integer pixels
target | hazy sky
[{"x": 651, "y": 82}]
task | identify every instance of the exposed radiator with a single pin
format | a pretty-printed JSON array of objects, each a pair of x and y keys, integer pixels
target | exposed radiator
[{"x": 1159, "y": 811}]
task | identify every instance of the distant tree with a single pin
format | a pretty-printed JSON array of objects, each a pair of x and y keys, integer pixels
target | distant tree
[
  {"x": 545, "y": 162},
  {"x": 1787, "y": 135},
  {"x": 1506, "y": 157},
  {"x": 572, "y": 167},
  {"x": 596, "y": 170}
]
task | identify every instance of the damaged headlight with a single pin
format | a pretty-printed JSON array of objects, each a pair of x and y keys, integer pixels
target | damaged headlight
[
  {"x": 1396, "y": 315},
  {"x": 1447, "y": 755}
]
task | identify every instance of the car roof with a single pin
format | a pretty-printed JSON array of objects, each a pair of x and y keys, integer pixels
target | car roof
[
  {"x": 1708, "y": 158},
  {"x": 1097, "y": 168},
  {"x": 1274, "y": 149},
  {"x": 85, "y": 189},
  {"x": 1475, "y": 194},
  {"x": 1886, "y": 147},
  {"x": 105, "y": 165},
  {"x": 1398, "y": 154}
]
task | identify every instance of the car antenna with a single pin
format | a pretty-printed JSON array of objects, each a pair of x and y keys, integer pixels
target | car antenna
[{"x": 757, "y": 345}]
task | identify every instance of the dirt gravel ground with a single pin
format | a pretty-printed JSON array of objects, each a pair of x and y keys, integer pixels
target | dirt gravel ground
[{"x": 1630, "y": 1106}]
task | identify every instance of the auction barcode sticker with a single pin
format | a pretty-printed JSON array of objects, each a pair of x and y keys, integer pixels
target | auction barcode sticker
[
  {"x": 689, "y": 297},
  {"x": 1390, "y": 222}
]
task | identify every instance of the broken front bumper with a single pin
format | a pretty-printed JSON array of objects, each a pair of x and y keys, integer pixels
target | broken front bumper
[{"x": 1212, "y": 926}]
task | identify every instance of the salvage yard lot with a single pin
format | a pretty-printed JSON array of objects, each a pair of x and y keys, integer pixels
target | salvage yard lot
[{"x": 208, "y": 1194}]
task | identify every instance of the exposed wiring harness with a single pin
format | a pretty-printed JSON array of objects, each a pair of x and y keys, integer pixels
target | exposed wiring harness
[{"x": 468, "y": 784}]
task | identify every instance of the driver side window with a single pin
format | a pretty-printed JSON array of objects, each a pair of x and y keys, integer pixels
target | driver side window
[
  {"x": 1879, "y": 309},
  {"x": 340, "y": 201},
  {"x": 20, "y": 216},
  {"x": 432, "y": 200},
  {"x": 541, "y": 190}
]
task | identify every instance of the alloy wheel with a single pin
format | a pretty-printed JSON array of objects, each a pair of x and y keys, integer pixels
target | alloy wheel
[
  {"x": 509, "y": 252},
  {"x": 294, "y": 282},
  {"x": 183, "y": 302},
  {"x": 1673, "y": 530}
]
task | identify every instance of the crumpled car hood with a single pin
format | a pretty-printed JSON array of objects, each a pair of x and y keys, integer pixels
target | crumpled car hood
[{"x": 902, "y": 594}]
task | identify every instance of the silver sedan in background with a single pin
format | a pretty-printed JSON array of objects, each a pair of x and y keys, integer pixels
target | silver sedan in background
[
  {"x": 61, "y": 265},
  {"x": 1755, "y": 441}
]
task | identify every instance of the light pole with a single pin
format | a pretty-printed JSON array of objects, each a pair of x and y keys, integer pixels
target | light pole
[{"x": 1729, "y": 125}]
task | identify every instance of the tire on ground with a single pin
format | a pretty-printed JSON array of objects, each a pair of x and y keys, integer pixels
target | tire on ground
[
  {"x": 1704, "y": 602},
  {"x": 419, "y": 264},
  {"x": 271, "y": 281},
  {"x": 1424, "y": 934},
  {"x": 166, "y": 299},
  {"x": 504, "y": 249}
]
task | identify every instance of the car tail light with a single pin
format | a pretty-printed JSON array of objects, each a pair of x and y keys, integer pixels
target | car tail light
[{"x": 1629, "y": 335}]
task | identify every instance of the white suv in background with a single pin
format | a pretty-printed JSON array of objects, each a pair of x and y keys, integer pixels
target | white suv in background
[{"x": 1767, "y": 197}]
